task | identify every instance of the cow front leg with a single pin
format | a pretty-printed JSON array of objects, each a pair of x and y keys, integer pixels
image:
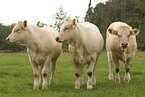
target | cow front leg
[
  {"x": 110, "y": 64},
  {"x": 90, "y": 74},
  {"x": 117, "y": 68},
  {"x": 40, "y": 75},
  {"x": 94, "y": 73},
  {"x": 127, "y": 75},
  {"x": 79, "y": 75},
  {"x": 117, "y": 77},
  {"x": 45, "y": 73},
  {"x": 35, "y": 73}
]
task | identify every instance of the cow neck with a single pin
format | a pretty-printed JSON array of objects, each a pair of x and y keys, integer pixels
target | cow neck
[
  {"x": 33, "y": 42},
  {"x": 79, "y": 43},
  {"x": 77, "y": 38}
]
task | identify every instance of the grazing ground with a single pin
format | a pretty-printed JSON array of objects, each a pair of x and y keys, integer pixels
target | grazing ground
[{"x": 16, "y": 78}]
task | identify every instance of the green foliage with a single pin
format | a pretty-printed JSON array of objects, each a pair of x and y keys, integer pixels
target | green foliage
[
  {"x": 60, "y": 15},
  {"x": 40, "y": 24},
  {"x": 130, "y": 11},
  {"x": 16, "y": 79}
]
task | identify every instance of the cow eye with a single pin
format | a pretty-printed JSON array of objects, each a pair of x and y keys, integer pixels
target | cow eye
[
  {"x": 66, "y": 28},
  {"x": 17, "y": 30},
  {"x": 118, "y": 35}
]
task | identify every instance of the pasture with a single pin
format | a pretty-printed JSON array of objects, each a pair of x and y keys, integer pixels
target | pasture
[{"x": 16, "y": 78}]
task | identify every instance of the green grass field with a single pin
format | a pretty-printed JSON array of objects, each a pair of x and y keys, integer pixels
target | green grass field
[{"x": 16, "y": 79}]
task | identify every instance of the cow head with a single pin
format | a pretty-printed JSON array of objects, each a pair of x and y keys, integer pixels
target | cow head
[
  {"x": 18, "y": 34},
  {"x": 67, "y": 31},
  {"x": 123, "y": 33}
]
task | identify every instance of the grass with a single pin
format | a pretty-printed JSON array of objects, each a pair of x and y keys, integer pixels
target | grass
[{"x": 16, "y": 79}]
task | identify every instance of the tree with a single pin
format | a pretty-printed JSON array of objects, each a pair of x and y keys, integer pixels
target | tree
[
  {"x": 89, "y": 13},
  {"x": 40, "y": 24},
  {"x": 131, "y": 12},
  {"x": 60, "y": 15},
  {"x": 4, "y": 32}
]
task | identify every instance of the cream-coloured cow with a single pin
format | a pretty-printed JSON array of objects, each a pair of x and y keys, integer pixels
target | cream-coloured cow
[
  {"x": 121, "y": 45},
  {"x": 42, "y": 49},
  {"x": 86, "y": 44}
]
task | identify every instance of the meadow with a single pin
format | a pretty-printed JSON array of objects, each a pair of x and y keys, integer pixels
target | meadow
[{"x": 16, "y": 78}]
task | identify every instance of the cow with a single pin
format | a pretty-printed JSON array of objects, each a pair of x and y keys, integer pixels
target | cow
[
  {"x": 42, "y": 49},
  {"x": 86, "y": 44},
  {"x": 121, "y": 45}
]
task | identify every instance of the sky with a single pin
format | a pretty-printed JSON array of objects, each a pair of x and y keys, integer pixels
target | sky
[{"x": 12, "y": 11}]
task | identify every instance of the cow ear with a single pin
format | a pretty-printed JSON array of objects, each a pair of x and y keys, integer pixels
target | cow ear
[
  {"x": 74, "y": 22},
  {"x": 67, "y": 18},
  {"x": 112, "y": 31},
  {"x": 134, "y": 32},
  {"x": 25, "y": 24}
]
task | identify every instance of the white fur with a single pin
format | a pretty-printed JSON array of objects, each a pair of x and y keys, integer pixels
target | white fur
[
  {"x": 42, "y": 49},
  {"x": 86, "y": 44},
  {"x": 116, "y": 53}
]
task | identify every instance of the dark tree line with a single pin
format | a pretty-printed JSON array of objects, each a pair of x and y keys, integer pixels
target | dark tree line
[
  {"x": 131, "y": 12},
  {"x": 4, "y": 46}
]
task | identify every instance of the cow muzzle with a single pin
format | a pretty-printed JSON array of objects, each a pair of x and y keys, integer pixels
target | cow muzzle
[
  {"x": 7, "y": 39},
  {"x": 124, "y": 45},
  {"x": 58, "y": 39}
]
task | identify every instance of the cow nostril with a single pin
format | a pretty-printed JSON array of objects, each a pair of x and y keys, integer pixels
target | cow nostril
[
  {"x": 126, "y": 43},
  {"x": 122, "y": 44},
  {"x": 57, "y": 38},
  {"x": 7, "y": 39}
]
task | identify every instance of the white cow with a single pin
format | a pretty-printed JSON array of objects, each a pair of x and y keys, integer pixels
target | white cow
[
  {"x": 121, "y": 45},
  {"x": 42, "y": 49},
  {"x": 86, "y": 44}
]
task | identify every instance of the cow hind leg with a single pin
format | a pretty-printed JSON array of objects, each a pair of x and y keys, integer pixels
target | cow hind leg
[{"x": 53, "y": 67}]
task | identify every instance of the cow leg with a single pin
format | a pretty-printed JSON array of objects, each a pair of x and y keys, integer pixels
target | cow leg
[
  {"x": 82, "y": 74},
  {"x": 53, "y": 67},
  {"x": 94, "y": 73},
  {"x": 40, "y": 75},
  {"x": 127, "y": 68},
  {"x": 79, "y": 74},
  {"x": 35, "y": 73},
  {"x": 127, "y": 75},
  {"x": 117, "y": 69},
  {"x": 90, "y": 74},
  {"x": 110, "y": 63},
  {"x": 45, "y": 73}
]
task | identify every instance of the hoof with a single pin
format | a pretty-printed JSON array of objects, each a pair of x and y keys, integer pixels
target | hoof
[
  {"x": 111, "y": 77},
  {"x": 89, "y": 87},
  {"x": 117, "y": 79},
  {"x": 36, "y": 86},
  {"x": 44, "y": 86},
  {"x": 51, "y": 81}
]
